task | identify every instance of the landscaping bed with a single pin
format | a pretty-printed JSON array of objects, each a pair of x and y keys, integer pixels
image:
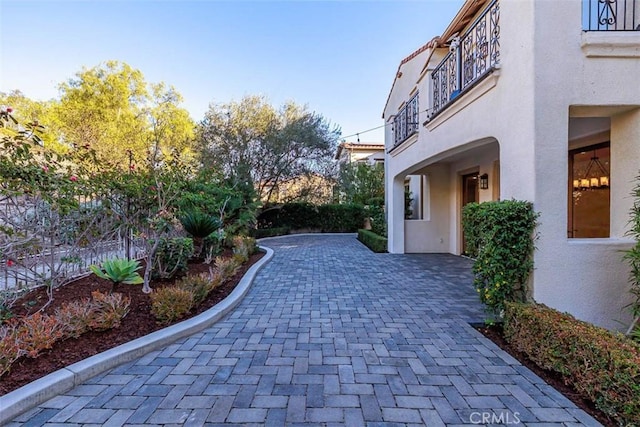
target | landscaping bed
[{"x": 137, "y": 323}]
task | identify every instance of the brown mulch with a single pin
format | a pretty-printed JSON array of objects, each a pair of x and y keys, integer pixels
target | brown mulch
[
  {"x": 137, "y": 323},
  {"x": 495, "y": 334}
]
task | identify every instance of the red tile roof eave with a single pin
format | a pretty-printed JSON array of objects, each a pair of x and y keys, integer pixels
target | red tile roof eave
[{"x": 430, "y": 44}]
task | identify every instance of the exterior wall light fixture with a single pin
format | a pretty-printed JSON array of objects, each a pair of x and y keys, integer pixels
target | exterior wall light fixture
[{"x": 484, "y": 181}]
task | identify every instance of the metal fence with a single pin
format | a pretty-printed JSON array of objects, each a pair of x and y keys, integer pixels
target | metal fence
[
  {"x": 406, "y": 122},
  {"x": 44, "y": 244}
]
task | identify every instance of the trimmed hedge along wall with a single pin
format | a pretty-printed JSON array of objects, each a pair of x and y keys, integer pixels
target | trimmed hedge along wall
[
  {"x": 343, "y": 218},
  {"x": 603, "y": 367},
  {"x": 500, "y": 236},
  {"x": 372, "y": 240}
]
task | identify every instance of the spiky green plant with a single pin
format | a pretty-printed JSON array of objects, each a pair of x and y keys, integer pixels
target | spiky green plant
[
  {"x": 118, "y": 270},
  {"x": 199, "y": 226}
]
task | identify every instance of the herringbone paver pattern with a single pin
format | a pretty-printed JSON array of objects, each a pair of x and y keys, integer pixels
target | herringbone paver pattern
[{"x": 330, "y": 334}]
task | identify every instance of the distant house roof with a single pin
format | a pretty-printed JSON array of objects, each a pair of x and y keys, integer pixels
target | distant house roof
[{"x": 352, "y": 146}]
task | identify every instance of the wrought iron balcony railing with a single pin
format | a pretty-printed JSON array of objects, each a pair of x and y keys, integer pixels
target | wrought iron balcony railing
[
  {"x": 471, "y": 57},
  {"x": 406, "y": 122},
  {"x": 611, "y": 15}
]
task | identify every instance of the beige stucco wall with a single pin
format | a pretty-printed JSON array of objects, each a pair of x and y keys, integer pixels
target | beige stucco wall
[
  {"x": 583, "y": 276},
  {"x": 431, "y": 233},
  {"x": 550, "y": 69}
]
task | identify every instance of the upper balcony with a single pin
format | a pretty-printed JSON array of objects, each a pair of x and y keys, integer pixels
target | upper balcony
[
  {"x": 611, "y": 15},
  {"x": 472, "y": 56},
  {"x": 406, "y": 122}
]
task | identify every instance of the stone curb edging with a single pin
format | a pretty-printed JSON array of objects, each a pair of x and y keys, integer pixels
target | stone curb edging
[{"x": 29, "y": 396}]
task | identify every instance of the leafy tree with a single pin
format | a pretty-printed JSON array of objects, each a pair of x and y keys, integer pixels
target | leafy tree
[
  {"x": 111, "y": 108},
  {"x": 103, "y": 106},
  {"x": 252, "y": 142},
  {"x": 28, "y": 111},
  {"x": 361, "y": 183},
  {"x": 171, "y": 130}
]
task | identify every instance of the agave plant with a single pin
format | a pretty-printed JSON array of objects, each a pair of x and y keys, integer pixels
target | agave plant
[
  {"x": 118, "y": 270},
  {"x": 199, "y": 226}
]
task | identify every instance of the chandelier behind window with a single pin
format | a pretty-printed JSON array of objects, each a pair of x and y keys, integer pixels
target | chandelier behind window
[{"x": 596, "y": 177}]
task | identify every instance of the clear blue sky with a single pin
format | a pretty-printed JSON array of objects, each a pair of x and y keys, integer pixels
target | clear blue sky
[{"x": 337, "y": 57}]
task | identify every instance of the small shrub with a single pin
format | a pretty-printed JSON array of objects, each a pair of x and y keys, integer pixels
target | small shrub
[
  {"x": 5, "y": 313},
  {"x": 8, "y": 298},
  {"x": 38, "y": 332},
  {"x": 171, "y": 257},
  {"x": 215, "y": 278},
  {"x": 199, "y": 285},
  {"x": 227, "y": 267},
  {"x": 373, "y": 241},
  {"x": 9, "y": 348},
  {"x": 76, "y": 317},
  {"x": 501, "y": 234},
  {"x": 602, "y": 366},
  {"x": 244, "y": 247},
  {"x": 212, "y": 245},
  {"x": 378, "y": 220},
  {"x": 109, "y": 310},
  {"x": 170, "y": 304},
  {"x": 199, "y": 226}
]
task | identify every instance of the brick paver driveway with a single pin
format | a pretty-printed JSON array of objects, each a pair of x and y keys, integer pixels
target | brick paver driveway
[{"x": 330, "y": 334}]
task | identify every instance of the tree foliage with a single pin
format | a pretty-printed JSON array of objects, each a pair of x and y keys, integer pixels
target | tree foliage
[
  {"x": 361, "y": 183},
  {"x": 113, "y": 109},
  {"x": 252, "y": 142},
  {"x": 28, "y": 111}
]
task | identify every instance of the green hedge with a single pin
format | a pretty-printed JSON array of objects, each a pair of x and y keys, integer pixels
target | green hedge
[
  {"x": 500, "y": 235},
  {"x": 344, "y": 218},
  {"x": 337, "y": 218},
  {"x": 373, "y": 241},
  {"x": 602, "y": 366},
  {"x": 261, "y": 233}
]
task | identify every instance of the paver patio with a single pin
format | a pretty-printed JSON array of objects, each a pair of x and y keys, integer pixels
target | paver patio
[{"x": 330, "y": 334}]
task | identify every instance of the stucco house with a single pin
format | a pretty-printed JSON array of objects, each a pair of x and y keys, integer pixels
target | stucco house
[
  {"x": 367, "y": 152},
  {"x": 530, "y": 100}
]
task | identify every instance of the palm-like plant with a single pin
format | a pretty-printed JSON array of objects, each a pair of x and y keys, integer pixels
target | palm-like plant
[
  {"x": 199, "y": 226},
  {"x": 118, "y": 270}
]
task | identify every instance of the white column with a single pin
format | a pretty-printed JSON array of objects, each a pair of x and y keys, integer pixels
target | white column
[{"x": 395, "y": 215}]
